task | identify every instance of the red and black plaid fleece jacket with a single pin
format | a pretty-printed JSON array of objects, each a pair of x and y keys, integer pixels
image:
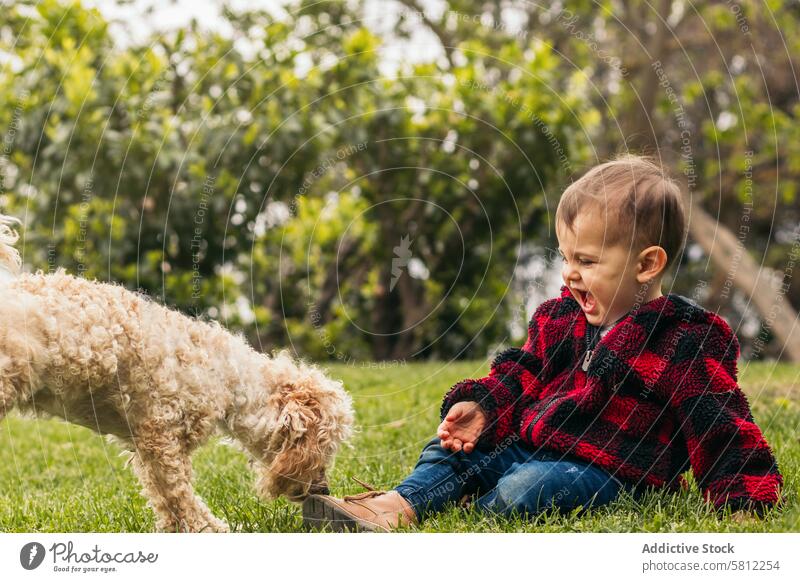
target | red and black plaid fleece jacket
[{"x": 660, "y": 395}]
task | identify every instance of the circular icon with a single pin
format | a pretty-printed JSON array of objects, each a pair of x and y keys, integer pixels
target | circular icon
[{"x": 31, "y": 555}]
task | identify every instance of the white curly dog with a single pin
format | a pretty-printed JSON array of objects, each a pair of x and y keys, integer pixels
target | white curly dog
[{"x": 111, "y": 360}]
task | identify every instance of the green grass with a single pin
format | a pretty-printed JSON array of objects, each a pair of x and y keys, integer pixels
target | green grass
[{"x": 57, "y": 477}]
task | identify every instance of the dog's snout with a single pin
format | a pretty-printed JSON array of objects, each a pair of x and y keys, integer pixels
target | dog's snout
[{"x": 320, "y": 489}]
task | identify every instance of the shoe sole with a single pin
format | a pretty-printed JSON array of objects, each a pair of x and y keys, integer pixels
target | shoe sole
[{"x": 319, "y": 512}]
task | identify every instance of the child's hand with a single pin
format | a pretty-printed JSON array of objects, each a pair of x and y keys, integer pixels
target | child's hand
[{"x": 462, "y": 426}]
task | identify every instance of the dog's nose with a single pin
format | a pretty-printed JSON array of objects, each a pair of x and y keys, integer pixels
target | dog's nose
[{"x": 319, "y": 489}]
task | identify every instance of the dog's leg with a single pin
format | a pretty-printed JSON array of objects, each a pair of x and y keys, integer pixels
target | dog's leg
[
  {"x": 8, "y": 397},
  {"x": 205, "y": 516},
  {"x": 164, "y": 469}
]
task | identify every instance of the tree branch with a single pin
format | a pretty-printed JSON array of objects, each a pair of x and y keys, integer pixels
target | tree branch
[{"x": 447, "y": 41}]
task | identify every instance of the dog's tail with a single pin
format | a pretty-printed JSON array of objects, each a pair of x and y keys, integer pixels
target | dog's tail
[{"x": 9, "y": 256}]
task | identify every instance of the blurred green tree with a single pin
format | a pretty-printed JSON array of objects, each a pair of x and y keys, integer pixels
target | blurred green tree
[
  {"x": 276, "y": 179},
  {"x": 296, "y": 181}
]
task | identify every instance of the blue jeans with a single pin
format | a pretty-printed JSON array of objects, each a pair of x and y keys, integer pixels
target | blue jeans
[{"x": 510, "y": 479}]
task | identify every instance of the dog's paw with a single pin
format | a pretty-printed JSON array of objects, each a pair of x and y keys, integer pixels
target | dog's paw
[
  {"x": 216, "y": 526},
  {"x": 194, "y": 526}
]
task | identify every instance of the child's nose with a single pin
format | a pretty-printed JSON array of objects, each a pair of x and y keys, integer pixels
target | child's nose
[{"x": 569, "y": 273}]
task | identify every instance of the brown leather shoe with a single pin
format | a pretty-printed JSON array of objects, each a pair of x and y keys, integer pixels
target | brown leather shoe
[{"x": 372, "y": 510}]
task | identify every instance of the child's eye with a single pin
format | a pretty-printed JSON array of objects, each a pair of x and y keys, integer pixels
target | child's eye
[{"x": 586, "y": 262}]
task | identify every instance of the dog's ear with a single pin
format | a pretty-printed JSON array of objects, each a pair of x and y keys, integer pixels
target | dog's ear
[
  {"x": 295, "y": 418},
  {"x": 299, "y": 463}
]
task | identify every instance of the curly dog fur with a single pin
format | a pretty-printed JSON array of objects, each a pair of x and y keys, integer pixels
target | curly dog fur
[{"x": 109, "y": 359}]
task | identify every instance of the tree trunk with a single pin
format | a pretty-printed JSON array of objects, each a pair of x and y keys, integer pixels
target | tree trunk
[
  {"x": 756, "y": 282},
  {"x": 381, "y": 315}
]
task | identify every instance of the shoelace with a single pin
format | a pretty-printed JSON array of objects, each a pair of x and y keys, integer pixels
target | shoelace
[{"x": 371, "y": 490}]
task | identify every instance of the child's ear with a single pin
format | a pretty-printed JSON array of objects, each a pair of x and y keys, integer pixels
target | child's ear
[{"x": 651, "y": 263}]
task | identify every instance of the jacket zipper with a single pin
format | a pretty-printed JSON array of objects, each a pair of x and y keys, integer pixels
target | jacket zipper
[
  {"x": 540, "y": 414},
  {"x": 587, "y": 358},
  {"x": 553, "y": 399},
  {"x": 591, "y": 345}
]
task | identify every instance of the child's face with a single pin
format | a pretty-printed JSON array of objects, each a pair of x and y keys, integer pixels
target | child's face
[{"x": 602, "y": 277}]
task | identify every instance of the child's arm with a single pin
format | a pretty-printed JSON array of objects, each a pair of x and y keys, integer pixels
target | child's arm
[
  {"x": 730, "y": 458},
  {"x": 512, "y": 379}
]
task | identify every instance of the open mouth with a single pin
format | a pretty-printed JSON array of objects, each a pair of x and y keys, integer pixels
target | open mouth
[{"x": 586, "y": 299}]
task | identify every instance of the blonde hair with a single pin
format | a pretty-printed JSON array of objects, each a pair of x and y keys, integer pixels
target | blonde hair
[{"x": 643, "y": 203}]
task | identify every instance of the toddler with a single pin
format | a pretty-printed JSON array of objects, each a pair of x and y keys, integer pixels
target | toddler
[{"x": 617, "y": 388}]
